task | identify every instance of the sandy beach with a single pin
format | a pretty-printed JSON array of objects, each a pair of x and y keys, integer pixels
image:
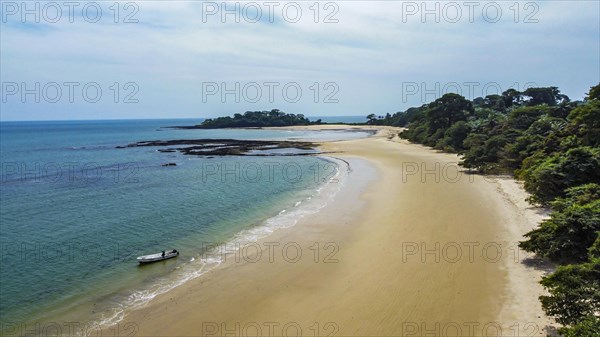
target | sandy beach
[{"x": 410, "y": 246}]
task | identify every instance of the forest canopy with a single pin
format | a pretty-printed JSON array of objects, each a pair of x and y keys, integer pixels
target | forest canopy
[
  {"x": 250, "y": 119},
  {"x": 550, "y": 143}
]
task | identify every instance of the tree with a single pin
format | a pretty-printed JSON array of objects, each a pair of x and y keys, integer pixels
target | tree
[
  {"x": 475, "y": 157},
  {"x": 478, "y": 102},
  {"x": 566, "y": 236},
  {"x": 274, "y": 113},
  {"x": 274, "y": 117},
  {"x": 550, "y": 96},
  {"x": 587, "y": 327},
  {"x": 572, "y": 229},
  {"x": 371, "y": 118},
  {"x": 594, "y": 250},
  {"x": 549, "y": 178},
  {"x": 539, "y": 137},
  {"x": 574, "y": 293},
  {"x": 579, "y": 195},
  {"x": 584, "y": 121},
  {"x": 495, "y": 102},
  {"x": 522, "y": 118},
  {"x": 455, "y": 135},
  {"x": 594, "y": 93},
  {"x": 447, "y": 110},
  {"x": 512, "y": 97},
  {"x": 554, "y": 146}
]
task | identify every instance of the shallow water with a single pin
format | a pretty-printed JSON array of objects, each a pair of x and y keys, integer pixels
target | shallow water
[{"x": 75, "y": 211}]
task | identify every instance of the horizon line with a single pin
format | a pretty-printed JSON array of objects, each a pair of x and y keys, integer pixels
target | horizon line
[{"x": 148, "y": 119}]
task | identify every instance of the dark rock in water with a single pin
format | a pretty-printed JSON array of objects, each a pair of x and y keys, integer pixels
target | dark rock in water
[
  {"x": 169, "y": 164},
  {"x": 224, "y": 147}
]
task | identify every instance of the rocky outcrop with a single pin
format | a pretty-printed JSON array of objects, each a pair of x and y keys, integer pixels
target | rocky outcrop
[{"x": 225, "y": 147}]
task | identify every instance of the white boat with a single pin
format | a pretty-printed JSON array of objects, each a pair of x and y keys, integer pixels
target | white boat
[{"x": 165, "y": 254}]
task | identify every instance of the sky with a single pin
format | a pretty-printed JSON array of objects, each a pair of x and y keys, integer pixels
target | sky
[{"x": 202, "y": 59}]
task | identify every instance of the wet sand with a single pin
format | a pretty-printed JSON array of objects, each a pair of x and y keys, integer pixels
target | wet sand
[{"x": 410, "y": 246}]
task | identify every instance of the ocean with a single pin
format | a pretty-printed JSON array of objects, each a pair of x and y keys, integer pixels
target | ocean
[{"x": 75, "y": 211}]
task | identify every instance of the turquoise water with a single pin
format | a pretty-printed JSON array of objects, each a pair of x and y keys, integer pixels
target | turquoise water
[{"x": 75, "y": 211}]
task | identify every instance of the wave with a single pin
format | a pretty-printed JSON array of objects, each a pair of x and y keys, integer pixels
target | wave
[{"x": 199, "y": 265}]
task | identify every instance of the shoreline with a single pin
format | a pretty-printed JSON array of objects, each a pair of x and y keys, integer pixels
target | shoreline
[
  {"x": 206, "y": 259},
  {"x": 390, "y": 277}
]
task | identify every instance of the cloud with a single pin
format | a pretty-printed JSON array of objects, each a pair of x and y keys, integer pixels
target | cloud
[{"x": 369, "y": 49}]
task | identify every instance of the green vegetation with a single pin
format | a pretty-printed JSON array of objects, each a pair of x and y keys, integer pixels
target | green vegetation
[
  {"x": 256, "y": 119},
  {"x": 574, "y": 293},
  {"x": 572, "y": 228},
  {"x": 553, "y": 146}
]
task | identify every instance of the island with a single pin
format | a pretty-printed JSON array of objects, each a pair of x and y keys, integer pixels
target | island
[{"x": 254, "y": 119}]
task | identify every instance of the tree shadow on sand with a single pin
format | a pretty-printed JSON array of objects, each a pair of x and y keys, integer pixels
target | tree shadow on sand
[{"x": 539, "y": 263}]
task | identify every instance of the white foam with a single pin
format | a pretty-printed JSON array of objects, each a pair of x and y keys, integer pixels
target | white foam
[{"x": 210, "y": 260}]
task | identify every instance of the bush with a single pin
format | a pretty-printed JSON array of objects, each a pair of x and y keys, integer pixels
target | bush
[
  {"x": 550, "y": 178},
  {"x": 574, "y": 293},
  {"x": 588, "y": 327}
]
